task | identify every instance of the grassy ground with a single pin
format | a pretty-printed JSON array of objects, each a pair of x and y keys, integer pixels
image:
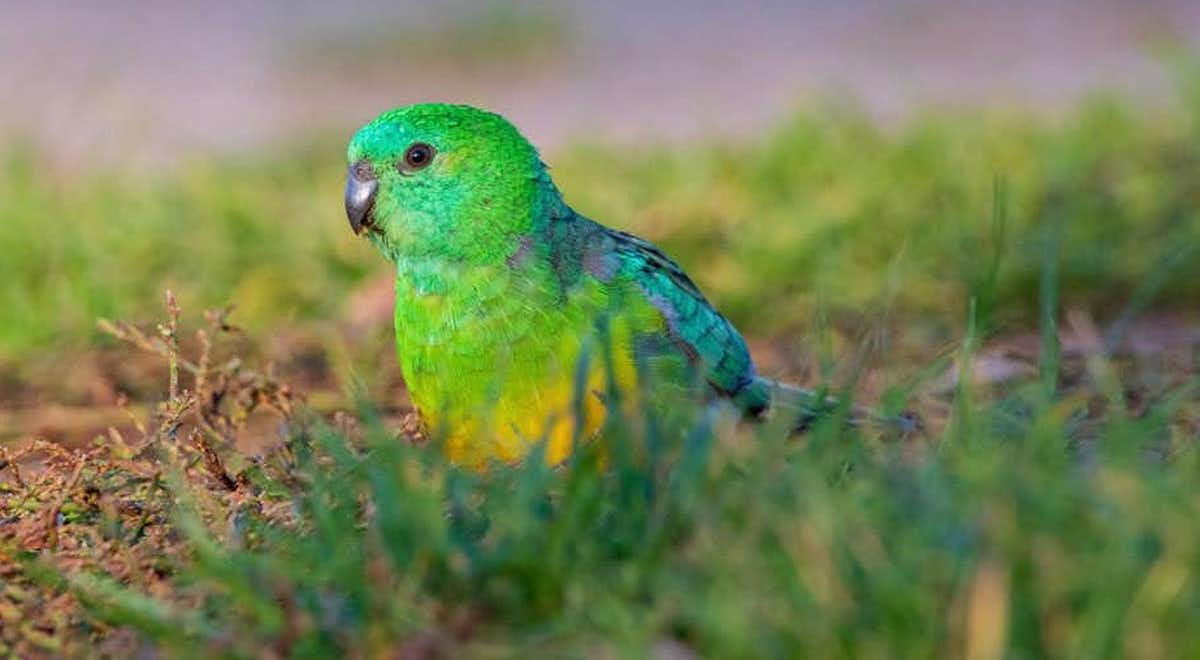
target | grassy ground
[{"x": 1046, "y": 510}]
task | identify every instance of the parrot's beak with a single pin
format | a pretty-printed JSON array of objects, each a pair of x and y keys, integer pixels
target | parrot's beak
[{"x": 361, "y": 185}]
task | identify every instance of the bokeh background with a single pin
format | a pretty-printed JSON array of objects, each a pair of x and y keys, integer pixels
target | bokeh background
[
  {"x": 124, "y": 81},
  {"x": 830, "y": 167}
]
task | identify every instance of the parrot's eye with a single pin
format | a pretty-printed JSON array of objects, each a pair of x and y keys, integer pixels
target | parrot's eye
[{"x": 417, "y": 156}]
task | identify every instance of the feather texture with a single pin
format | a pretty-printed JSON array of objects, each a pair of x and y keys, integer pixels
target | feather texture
[{"x": 513, "y": 312}]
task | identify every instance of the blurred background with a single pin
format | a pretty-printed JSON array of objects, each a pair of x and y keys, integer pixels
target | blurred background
[
  {"x": 122, "y": 81},
  {"x": 841, "y": 178}
]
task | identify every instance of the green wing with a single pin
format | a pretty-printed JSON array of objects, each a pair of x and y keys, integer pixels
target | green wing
[
  {"x": 578, "y": 246},
  {"x": 700, "y": 332}
]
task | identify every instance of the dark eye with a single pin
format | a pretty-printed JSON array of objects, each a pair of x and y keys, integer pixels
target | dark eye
[{"x": 418, "y": 155}]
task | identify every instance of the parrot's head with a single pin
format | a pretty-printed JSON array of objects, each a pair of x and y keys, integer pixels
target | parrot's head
[{"x": 442, "y": 181}]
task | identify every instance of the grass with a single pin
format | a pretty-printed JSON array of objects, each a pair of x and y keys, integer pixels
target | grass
[
  {"x": 1031, "y": 526},
  {"x": 825, "y": 207},
  {"x": 1050, "y": 514}
]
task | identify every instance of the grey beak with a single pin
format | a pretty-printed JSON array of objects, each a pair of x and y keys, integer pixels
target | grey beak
[{"x": 361, "y": 185}]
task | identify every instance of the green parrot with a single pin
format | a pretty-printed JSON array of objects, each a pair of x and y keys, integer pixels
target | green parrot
[{"x": 514, "y": 313}]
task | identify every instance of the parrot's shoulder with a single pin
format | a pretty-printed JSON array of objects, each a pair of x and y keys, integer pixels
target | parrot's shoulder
[
  {"x": 646, "y": 261},
  {"x": 580, "y": 246}
]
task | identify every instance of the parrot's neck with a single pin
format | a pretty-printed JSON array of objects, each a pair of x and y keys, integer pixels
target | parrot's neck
[
  {"x": 427, "y": 276},
  {"x": 429, "y": 271},
  {"x": 438, "y": 298},
  {"x": 441, "y": 295}
]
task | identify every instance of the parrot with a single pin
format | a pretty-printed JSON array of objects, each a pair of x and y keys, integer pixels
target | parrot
[{"x": 515, "y": 315}]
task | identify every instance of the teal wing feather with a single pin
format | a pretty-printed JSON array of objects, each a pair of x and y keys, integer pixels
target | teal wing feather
[
  {"x": 700, "y": 332},
  {"x": 578, "y": 246}
]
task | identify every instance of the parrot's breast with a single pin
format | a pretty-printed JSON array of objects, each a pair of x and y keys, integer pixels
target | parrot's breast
[{"x": 497, "y": 364}]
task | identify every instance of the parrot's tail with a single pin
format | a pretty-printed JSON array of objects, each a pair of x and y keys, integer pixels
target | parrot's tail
[{"x": 805, "y": 407}]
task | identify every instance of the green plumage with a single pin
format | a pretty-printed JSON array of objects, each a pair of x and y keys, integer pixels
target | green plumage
[{"x": 502, "y": 290}]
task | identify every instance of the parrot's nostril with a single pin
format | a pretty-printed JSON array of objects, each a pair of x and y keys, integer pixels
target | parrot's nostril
[{"x": 362, "y": 171}]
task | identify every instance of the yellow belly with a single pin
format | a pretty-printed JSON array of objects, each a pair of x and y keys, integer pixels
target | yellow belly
[
  {"x": 494, "y": 387},
  {"x": 522, "y": 420}
]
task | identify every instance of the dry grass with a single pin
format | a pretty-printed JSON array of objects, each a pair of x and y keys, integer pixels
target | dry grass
[{"x": 106, "y": 508}]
